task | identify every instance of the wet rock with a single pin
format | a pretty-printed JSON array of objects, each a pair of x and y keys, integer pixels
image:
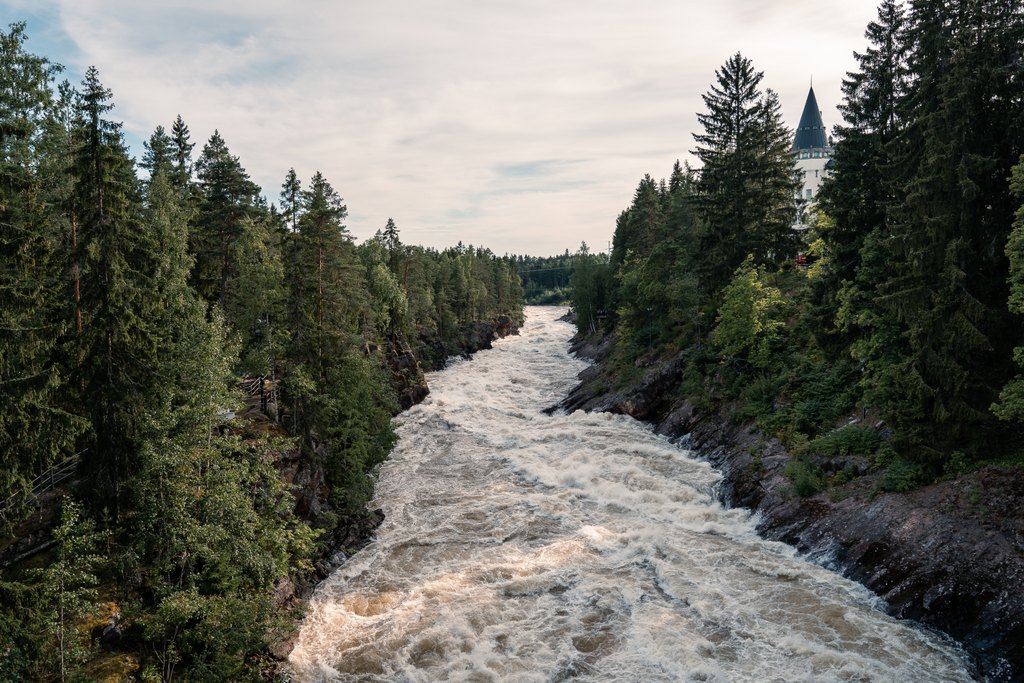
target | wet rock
[{"x": 406, "y": 374}]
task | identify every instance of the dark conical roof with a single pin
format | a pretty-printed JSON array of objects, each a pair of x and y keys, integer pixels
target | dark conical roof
[{"x": 810, "y": 134}]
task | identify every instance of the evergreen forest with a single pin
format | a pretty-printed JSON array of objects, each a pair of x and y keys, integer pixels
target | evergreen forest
[
  {"x": 546, "y": 278},
  {"x": 886, "y": 325},
  {"x": 183, "y": 356}
]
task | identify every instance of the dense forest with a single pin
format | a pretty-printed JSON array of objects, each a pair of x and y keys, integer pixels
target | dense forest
[
  {"x": 137, "y": 298},
  {"x": 546, "y": 278},
  {"x": 890, "y": 326}
]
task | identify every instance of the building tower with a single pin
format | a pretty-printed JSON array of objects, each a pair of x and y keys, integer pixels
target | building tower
[{"x": 813, "y": 152}]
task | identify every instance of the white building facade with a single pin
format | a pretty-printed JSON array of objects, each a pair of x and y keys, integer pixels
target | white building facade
[{"x": 812, "y": 151}]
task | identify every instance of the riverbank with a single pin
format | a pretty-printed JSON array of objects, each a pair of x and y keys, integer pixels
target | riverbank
[
  {"x": 949, "y": 555},
  {"x": 408, "y": 362}
]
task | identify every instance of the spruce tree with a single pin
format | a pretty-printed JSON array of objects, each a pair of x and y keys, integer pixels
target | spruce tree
[
  {"x": 748, "y": 179},
  {"x": 118, "y": 366},
  {"x": 36, "y": 429},
  {"x": 159, "y": 153},
  {"x": 181, "y": 174},
  {"x": 1011, "y": 399},
  {"x": 860, "y": 188},
  {"x": 340, "y": 399},
  {"x": 227, "y": 199},
  {"x": 947, "y": 282},
  {"x": 291, "y": 201},
  {"x": 857, "y": 197}
]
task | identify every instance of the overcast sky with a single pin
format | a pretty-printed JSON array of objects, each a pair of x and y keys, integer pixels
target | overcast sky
[{"x": 521, "y": 125}]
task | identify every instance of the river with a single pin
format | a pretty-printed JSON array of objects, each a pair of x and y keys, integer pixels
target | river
[{"x": 520, "y": 547}]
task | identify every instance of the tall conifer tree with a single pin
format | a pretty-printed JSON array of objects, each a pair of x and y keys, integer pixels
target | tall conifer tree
[
  {"x": 119, "y": 347},
  {"x": 748, "y": 179},
  {"x": 948, "y": 281},
  {"x": 35, "y": 431},
  {"x": 228, "y": 198}
]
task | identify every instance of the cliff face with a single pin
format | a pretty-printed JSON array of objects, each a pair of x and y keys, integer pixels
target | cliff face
[
  {"x": 428, "y": 352},
  {"x": 433, "y": 351},
  {"x": 950, "y": 555}
]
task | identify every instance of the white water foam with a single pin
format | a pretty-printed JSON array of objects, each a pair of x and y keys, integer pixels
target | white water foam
[{"x": 519, "y": 546}]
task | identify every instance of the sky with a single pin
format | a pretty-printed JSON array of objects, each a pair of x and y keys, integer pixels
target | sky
[{"x": 519, "y": 125}]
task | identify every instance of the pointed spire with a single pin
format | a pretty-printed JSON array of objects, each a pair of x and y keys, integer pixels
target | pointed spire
[{"x": 810, "y": 134}]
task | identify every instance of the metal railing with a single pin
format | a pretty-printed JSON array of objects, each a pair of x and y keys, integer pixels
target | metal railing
[{"x": 46, "y": 481}]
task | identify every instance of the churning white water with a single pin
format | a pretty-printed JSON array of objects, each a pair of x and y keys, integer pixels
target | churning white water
[{"x": 519, "y": 546}]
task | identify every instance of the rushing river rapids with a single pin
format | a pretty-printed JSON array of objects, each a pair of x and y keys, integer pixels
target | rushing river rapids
[{"x": 519, "y": 546}]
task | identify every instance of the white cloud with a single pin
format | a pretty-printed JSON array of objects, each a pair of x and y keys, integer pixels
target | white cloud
[{"x": 412, "y": 109}]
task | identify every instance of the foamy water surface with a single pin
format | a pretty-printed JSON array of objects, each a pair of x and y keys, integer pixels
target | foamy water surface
[{"x": 519, "y": 546}]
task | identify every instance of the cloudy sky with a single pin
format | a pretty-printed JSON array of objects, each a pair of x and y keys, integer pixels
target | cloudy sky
[{"x": 521, "y": 125}]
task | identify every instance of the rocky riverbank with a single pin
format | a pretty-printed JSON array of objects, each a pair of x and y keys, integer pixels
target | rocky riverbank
[{"x": 949, "y": 555}]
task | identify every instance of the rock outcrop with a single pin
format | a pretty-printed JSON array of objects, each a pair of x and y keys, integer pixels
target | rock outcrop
[
  {"x": 949, "y": 555},
  {"x": 406, "y": 373},
  {"x": 433, "y": 351}
]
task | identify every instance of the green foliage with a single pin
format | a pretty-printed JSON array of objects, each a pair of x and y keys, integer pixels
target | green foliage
[
  {"x": 591, "y": 289},
  {"x": 746, "y": 185},
  {"x": 115, "y": 261},
  {"x": 852, "y": 439},
  {"x": 904, "y": 475},
  {"x": 67, "y": 592},
  {"x": 37, "y": 428},
  {"x": 751, "y": 317},
  {"x": 807, "y": 479},
  {"x": 546, "y": 280},
  {"x": 227, "y": 197},
  {"x": 1011, "y": 399},
  {"x": 128, "y": 307},
  {"x": 908, "y": 305}
]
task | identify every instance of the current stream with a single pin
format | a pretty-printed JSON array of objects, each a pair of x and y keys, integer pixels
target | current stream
[{"x": 519, "y": 546}]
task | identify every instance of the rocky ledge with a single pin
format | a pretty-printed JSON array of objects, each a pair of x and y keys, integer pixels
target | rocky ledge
[{"x": 949, "y": 555}]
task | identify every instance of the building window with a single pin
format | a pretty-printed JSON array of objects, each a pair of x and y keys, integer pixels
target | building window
[
  {"x": 808, "y": 193},
  {"x": 815, "y": 173},
  {"x": 817, "y": 155}
]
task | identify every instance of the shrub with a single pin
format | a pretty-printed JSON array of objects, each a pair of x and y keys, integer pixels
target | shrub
[
  {"x": 807, "y": 480},
  {"x": 904, "y": 475},
  {"x": 849, "y": 440}
]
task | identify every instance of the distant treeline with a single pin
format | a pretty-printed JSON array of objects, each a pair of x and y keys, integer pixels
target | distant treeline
[
  {"x": 546, "y": 279},
  {"x": 129, "y": 307},
  {"x": 904, "y": 304}
]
